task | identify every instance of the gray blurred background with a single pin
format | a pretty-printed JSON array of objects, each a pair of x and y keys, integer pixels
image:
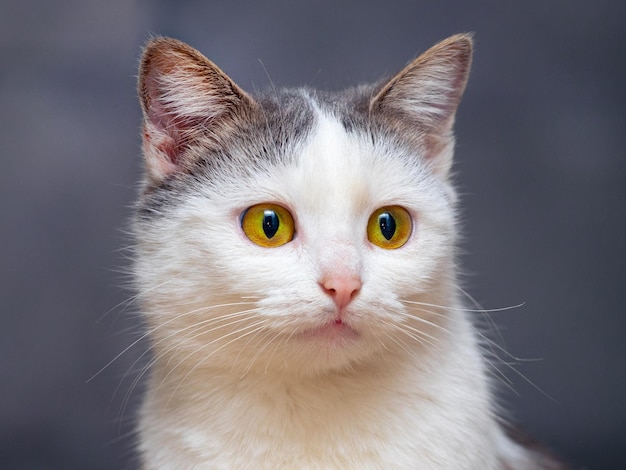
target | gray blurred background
[{"x": 540, "y": 164}]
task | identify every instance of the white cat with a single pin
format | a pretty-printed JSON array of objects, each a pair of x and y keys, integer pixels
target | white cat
[{"x": 296, "y": 268}]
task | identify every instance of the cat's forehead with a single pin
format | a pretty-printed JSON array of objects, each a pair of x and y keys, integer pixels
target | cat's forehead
[
  {"x": 347, "y": 169},
  {"x": 331, "y": 162}
]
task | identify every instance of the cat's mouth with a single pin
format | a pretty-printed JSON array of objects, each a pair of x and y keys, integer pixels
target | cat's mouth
[{"x": 335, "y": 331}]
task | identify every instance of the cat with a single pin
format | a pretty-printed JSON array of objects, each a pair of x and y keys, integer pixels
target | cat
[{"x": 295, "y": 264}]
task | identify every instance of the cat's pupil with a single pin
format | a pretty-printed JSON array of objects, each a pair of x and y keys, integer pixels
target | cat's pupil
[
  {"x": 387, "y": 225},
  {"x": 270, "y": 223}
]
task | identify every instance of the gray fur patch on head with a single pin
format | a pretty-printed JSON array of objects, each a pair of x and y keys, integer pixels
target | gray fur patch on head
[
  {"x": 200, "y": 127},
  {"x": 264, "y": 138}
]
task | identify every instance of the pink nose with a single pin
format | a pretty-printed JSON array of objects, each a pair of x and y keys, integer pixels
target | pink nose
[{"x": 341, "y": 289}]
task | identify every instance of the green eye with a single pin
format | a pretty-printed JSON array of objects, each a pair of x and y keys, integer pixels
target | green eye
[
  {"x": 268, "y": 225},
  {"x": 389, "y": 227}
]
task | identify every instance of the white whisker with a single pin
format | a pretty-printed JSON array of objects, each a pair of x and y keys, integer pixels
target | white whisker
[
  {"x": 256, "y": 327},
  {"x": 150, "y": 332},
  {"x": 462, "y": 309}
]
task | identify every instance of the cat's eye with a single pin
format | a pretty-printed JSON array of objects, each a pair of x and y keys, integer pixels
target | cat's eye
[
  {"x": 268, "y": 225},
  {"x": 389, "y": 227}
]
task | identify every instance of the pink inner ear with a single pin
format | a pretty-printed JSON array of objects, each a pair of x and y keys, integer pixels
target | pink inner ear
[
  {"x": 162, "y": 152},
  {"x": 163, "y": 132},
  {"x": 167, "y": 130}
]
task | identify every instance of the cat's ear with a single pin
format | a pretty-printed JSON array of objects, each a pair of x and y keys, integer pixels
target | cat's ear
[
  {"x": 183, "y": 96},
  {"x": 422, "y": 99}
]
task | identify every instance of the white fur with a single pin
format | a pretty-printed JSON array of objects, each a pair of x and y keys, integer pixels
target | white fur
[{"x": 234, "y": 390}]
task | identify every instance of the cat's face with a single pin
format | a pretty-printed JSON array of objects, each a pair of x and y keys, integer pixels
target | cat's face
[{"x": 301, "y": 233}]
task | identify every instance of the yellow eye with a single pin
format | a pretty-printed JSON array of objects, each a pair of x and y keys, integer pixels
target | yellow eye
[
  {"x": 268, "y": 225},
  {"x": 389, "y": 227}
]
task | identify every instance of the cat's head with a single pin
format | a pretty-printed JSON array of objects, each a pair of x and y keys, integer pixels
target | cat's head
[{"x": 295, "y": 230}]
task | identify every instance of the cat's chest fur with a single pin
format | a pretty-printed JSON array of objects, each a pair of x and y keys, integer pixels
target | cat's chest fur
[{"x": 295, "y": 263}]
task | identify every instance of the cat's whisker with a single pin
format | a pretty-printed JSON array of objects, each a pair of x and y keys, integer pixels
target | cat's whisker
[
  {"x": 161, "y": 325},
  {"x": 422, "y": 334},
  {"x": 259, "y": 325},
  {"x": 403, "y": 345},
  {"x": 271, "y": 336},
  {"x": 432, "y": 308},
  {"x": 158, "y": 357},
  {"x": 199, "y": 329},
  {"x": 126, "y": 401},
  {"x": 283, "y": 341},
  {"x": 415, "y": 334},
  {"x": 244, "y": 347},
  {"x": 215, "y": 320},
  {"x": 491, "y": 343},
  {"x": 124, "y": 304},
  {"x": 163, "y": 353},
  {"x": 512, "y": 366},
  {"x": 462, "y": 309},
  {"x": 423, "y": 320},
  {"x": 500, "y": 376},
  {"x": 197, "y": 332},
  {"x": 193, "y": 327},
  {"x": 494, "y": 345},
  {"x": 285, "y": 331},
  {"x": 486, "y": 314},
  {"x": 133, "y": 384}
]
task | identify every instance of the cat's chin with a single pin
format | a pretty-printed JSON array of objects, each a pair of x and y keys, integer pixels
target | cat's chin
[{"x": 334, "y": 334}]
